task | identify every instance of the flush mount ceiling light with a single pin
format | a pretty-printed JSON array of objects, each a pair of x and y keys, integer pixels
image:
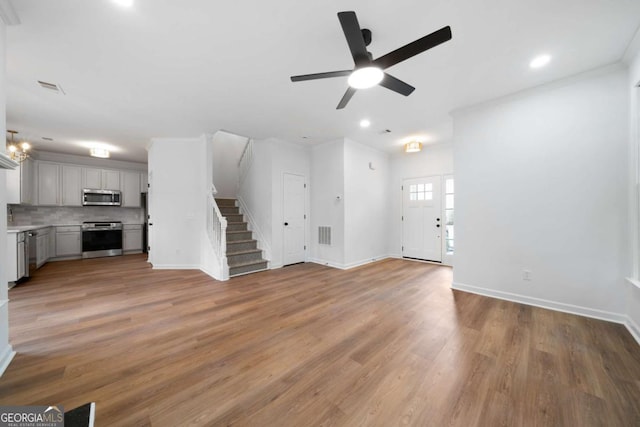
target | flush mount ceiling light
[
  {"x": 366, "y": 77},
  {"x": 123, "y": 3},
  {"x": 364, "y": 123},
  {"x": 99, "y": 152},
  {"x": 18, "y": 152},
  {"x": 540, "y": 61},
  {"x": 413, "y": 147}
]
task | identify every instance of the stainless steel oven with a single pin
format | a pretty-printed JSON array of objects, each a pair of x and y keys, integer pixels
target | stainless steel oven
[{"x": 101, "y": 239}]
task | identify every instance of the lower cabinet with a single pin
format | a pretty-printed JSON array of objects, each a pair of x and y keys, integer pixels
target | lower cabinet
[
  {"x": 68, "y": 241},
  {"x": 44, "y": 246},
  {"x": 132, "y": 238}
]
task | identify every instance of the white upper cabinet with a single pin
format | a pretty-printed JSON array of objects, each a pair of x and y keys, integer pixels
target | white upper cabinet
[
  {"x": 48, "y": 183},
  {"x": 131, "y": 189},
  {"x": 100, "y": 179},
  {"x": 92, "y": 178},
  {"x": 71, "y": 185},
  {"x": 21, "y": 183},
  {"x": 110, "y": 180}
]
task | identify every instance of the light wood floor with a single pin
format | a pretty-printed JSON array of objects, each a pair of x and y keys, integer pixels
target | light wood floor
[{"x": 381, "y": 345}]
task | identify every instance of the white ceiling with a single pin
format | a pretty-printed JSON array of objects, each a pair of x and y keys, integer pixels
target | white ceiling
[{"x": 168, "y": 68}]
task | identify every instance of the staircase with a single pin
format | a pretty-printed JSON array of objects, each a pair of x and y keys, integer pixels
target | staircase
[{"x": 243, "y": 255}]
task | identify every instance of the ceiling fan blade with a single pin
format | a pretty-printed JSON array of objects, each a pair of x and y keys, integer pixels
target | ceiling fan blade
[
  {"x": 396, "y": 85},
  {"x": 353, "y": 34},
  {"x": 321, "y": 75},
  {"x": 345, "y": 99},
  {"x": 414, "y": 48}
]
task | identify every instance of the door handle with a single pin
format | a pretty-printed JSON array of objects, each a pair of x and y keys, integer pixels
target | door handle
[{"x": 286, "y": 223}]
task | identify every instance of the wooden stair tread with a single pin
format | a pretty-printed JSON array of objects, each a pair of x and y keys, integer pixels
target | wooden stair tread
[
  {"x": 238, "y": 231},
  {"x": 233, "y": 242},
  {"x": 244, "y": 252},
  {"x": 247, "y": 263}
]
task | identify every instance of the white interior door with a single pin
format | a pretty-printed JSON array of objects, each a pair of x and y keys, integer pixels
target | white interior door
[
  {"x": 421, "y": 218},
  {"x": 293, "y": 218}
]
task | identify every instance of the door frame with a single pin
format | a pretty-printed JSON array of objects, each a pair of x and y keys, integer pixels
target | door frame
[
  {"x": 445, "y": 259},
  {"x": 306, "y": 216}
]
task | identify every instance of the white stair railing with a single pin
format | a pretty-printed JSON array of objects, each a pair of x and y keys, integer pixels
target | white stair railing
[
  {"x": 245, "y": 160},
  {"x": 217, "y": 231}
]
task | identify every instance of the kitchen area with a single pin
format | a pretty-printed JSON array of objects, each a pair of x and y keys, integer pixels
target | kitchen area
[{"x": 67, "y": 207}]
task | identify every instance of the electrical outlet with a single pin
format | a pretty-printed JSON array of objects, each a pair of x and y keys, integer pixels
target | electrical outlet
[{"x": 526, "y": 275}]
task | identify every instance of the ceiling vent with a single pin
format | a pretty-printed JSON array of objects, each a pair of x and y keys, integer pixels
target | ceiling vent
[
  {"x": 46, "y": 138},
  {"x": 51, "y": 86}
]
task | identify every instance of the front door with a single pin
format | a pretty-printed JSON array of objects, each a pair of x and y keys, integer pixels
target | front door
[
  {"x": 293, "y": 218},
  {"x": 421, "y": 219}
]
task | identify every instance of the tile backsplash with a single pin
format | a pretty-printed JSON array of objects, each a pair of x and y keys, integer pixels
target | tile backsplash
[{"x": 39, "y": 215}]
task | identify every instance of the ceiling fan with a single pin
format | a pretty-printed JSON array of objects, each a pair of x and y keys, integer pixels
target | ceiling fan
[{"x": 368, "y": 71}]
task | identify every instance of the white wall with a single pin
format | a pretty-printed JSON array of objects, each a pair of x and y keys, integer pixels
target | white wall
[
  {"x": 227, "y": 150},
  {"x": 366, "y": 204},
  {"x": 6, "y": 351},
  {"x": 432, "y": 160},
  {"x": 176, "y": 195},
  {"x": 633, "y": 288},
  {"x": 540, "y": 185},
  {"x": 327, "y": 183}
]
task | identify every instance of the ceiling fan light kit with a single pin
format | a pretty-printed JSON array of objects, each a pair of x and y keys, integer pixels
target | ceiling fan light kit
[
  {"x": 366, "y": 77},
  {"x": 368, "y": 72}
]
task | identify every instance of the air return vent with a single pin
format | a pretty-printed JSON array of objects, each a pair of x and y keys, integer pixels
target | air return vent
[
  {"x": 324, "y": 235},
  {"x": 51, "y": 86}
]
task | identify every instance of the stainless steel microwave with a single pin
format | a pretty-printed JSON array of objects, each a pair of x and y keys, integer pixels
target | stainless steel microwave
[{"x": 91, "y": 197}]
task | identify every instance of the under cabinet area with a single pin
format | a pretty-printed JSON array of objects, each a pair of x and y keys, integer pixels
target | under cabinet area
[{"x": 68, "y": 241}]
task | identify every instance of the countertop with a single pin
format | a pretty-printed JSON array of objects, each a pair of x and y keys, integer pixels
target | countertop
[{"x": 21, "y": 228}]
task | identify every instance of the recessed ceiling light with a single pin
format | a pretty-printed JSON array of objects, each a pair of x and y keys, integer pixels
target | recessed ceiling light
[
  {"x": 540, "y": 61},
  {"x": 365, "y": 77},
  {"x": 123, "y": 3},
  {"x": 364, "y": 123}
]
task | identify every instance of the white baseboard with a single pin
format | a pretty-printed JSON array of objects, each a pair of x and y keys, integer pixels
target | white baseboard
[
  {"x": 175, "y": 267},
  {"x": 347, "y": 266},
  {"x": 212, "y": 275},
  {"x": 542, "y": 303},
  {"x": 633, "y": 329},
  {"x": 5, "y": 358}
]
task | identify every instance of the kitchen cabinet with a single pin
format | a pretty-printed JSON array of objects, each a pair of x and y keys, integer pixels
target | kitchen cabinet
[
  {"x": 45, "y": 244},
  {"x": 100, "y": 179},
  {"x": 48, "y": 183},
  {"x": 21, "y": 183},
  {"x": 68, "y": 241},
  {"x": 131, "y": 189},
  {"x": 71, "y": 185},
  {"x": 51, "y": 250},
  {"x": 132, "y": 238},
  {"x": 16, "y": 266}
]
